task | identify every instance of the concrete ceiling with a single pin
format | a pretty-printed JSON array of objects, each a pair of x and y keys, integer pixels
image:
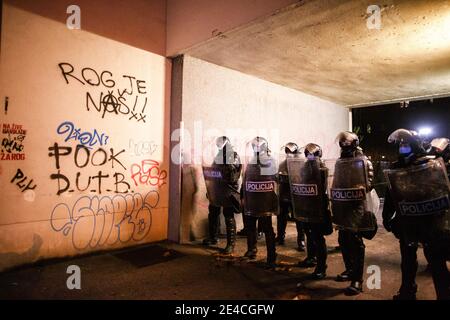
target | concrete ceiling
[{"x": 325, "y": 48}]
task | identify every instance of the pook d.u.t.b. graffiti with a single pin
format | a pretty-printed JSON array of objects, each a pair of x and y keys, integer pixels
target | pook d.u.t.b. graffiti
[
  {"x": 83, "y": 157},
  {"x": 12, "y": 142},
  {"x": 129, "y": 100},
  {"x": 95, "y": 222}
]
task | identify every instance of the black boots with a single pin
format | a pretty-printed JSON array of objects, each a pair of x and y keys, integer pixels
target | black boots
[
  {"x": 251, "y": 244},
  {"x": 301, "y": 245},
  {"x": 281, "y": 229},
  {"x": 251, "y": 254},
  {"x": 354, "y": 288},
  {"x": 213, "y": 228},
  {"x": 344, "y": 276},
  {"x": 210, "y": 242},
  {"x": 271, "y": 249},
  {"x": 252, "y": 233},
  {"x": 309, "y": 262},
  {"x": 319, "y": 273},
  {"x": 279, "y": 240},
  {"x": 231, "y": 234},
  {"x": 406, "y": 293}
]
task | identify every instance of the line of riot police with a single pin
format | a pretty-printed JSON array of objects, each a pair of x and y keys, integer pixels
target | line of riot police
[{"x": 299, "y": 185}]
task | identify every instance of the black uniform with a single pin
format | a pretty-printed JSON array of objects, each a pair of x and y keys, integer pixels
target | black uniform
[
  {"x": 285, "y": 203},
  {"x": 260, "y": 199},
  {"x": 352, "y": 180},
  {"x": 352, "y": 243},
  {"x": 411, "y": 232},
  {"x": 441, "y": 149},
  {"x": 308, "y": 180},
  {"x": 222, "y": 185}
]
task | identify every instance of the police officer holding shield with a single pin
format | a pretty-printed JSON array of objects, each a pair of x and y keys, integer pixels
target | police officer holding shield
[
  {"x": 416, "y": 209},
  {"x": 351, "y": 214},
  {"x": 221, "y": 179},
  {"x": 290, "y": 150},
  {"x": 260, "y": 199},
  {"x": 308, "y": 180}
]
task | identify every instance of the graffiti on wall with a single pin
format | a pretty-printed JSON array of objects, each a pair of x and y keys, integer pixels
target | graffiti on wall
[
  {"x": 22, "y": 181},
  {"x": 148, "y": 172},
  {"x": 12, "y": 142},
  {"x": 95, "y": 222},
  {"x": 142, "y": 148},
  {"x": 124, "y": 96},
  {"x": 86, "y": 138},
  {"x": 83, "y": 157}
]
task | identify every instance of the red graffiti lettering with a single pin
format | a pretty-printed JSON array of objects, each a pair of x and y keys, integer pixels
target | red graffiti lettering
[{"x": 148, "y": 172}]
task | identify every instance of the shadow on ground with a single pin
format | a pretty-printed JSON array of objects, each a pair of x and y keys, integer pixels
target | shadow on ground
[{"x": 192, "y": 271}]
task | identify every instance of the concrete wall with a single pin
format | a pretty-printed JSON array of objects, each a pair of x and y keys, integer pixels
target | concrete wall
[
  {"x": 51, "y": 208},
  {"x": 190, "y": 22},
  {"x": 220, "y": 101},
  {"x": 138, "y": 23}
]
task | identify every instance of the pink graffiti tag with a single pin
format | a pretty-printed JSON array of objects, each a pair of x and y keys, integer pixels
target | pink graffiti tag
[{"x": 148, "y": 173}]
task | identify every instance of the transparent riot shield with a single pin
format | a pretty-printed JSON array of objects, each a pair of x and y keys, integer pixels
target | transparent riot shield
[
  {"x": 307, "y": 182},
  {"x": 284, "y": 192},
  {"x": 260, "y": 186},
  {"x": 349, "y": 196},
  {"x": 420, "y": 190},
  {"x": 221, "y": 173}
]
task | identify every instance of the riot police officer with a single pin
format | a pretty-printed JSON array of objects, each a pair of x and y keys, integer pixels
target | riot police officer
[
  {"x": 416, "y": 209},
  {"x": 352, "y": 179},
  {"x": 221, "y": 179},
  {"x": 285, "y": 203},
  {"x": 308, "y": 178},
  {"x": 260, "y": 199},
  {"x": 440, "y": 147}
]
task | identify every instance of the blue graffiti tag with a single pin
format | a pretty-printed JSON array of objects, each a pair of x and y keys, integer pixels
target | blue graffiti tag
[{"x": 88, "y": 139}]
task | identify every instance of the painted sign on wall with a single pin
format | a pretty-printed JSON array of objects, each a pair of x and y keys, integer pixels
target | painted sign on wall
[{"x": 13, "y": 136}]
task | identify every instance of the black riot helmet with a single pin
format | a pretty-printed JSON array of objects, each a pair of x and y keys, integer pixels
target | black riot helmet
[
  {"x": 222, "y": 142},
  {"x": 409, "y": 142},
  {"x": 313, "y": 150},
  {"x": 260, "y": 145},
  {"x": 348, "y": 141},
  {"x": 291, "y": 148}
]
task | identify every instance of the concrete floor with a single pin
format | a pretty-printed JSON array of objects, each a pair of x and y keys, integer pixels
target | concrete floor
[{"x": 195, "y": 272}]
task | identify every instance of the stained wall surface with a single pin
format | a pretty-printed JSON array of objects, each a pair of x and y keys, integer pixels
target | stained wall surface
[
  {"x": 190, "y": 22},
  {"x": 353, "y": 52},
  {"x": 84, "y": 158},
  {"x": 219, "y": 101}
]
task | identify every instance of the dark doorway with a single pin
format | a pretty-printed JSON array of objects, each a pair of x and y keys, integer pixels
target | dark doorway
[{"x": 374, "y": 125}]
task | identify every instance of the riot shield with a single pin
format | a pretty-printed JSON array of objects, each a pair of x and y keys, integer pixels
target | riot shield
[
  {"x": 260, "y": 187},
  {"x": 284, "y": 189},
  {"x": 307, "y": 189},
  {"x": 220, "y": 174},
  {"x": 284, "y": 192},
  {"x": 421, "y": 190},
  {"x": 349, "y": 196}
]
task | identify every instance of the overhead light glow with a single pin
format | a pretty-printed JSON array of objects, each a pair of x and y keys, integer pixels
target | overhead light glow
[{"x": 425, "y": 131}]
